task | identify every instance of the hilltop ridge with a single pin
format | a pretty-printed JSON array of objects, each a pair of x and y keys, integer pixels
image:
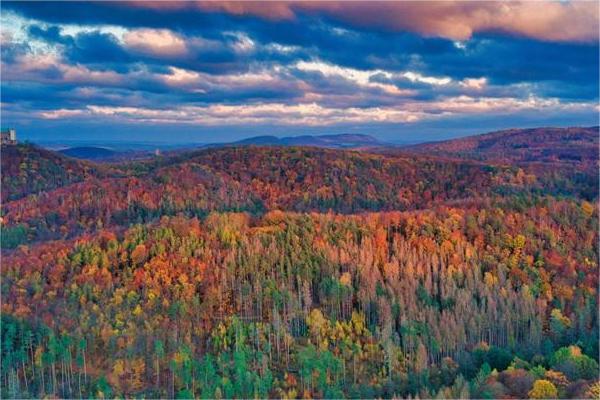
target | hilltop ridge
[
  {"x": 546, "y": 144},
  {"x": 345, "y": 140}
]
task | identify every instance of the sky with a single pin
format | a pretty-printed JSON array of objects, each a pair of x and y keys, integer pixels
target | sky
[{"x": 221, "y": 71}]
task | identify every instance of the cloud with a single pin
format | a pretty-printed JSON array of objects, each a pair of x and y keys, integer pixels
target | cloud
[
  {"x": 457, "y": 20},
  {"x": 302, "y": 114},
  {"x": 48, "y": 34},
  {"x": 548, "y": 20},
  {"x": 460, "y": 20},
  {"x": 415, "y": 77},
  {"x": 160, "y": 42},
  {"x": 295, "y": 64},
  {"x": 363, "y": 79},
  {"x": 60, "y": 113},
  {"x": 274, "y": 11},
  {"x": 313, "y": 114},
  {"x": 96, "y": 48},
  {"x": 474, "y": 83}
]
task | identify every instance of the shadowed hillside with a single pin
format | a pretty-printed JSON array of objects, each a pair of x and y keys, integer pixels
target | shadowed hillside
[
  {"x": 577, "y": 146},
  {"x": 564, "y": 160},
  {"x": 254, "y": 180},
  {"x": 30, "y": 169}
]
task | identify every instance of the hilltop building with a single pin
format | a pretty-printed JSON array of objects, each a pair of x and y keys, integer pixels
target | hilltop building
[{"x": 8, "y": 136}]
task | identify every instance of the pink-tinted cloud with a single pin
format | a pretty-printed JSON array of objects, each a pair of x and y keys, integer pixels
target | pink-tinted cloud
[
  {"x": 269, "y": 10},
  {"x": 457, "y": 20},
  {"x": 313, "y": 114},
  {"x": 155, "y": 41}
]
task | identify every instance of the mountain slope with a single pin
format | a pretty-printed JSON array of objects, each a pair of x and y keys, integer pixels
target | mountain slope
[
  {"x": 537, "y": 145},
  {"x": 255, "y": 180},
  {"x": 270, "y": 272},
  {"x": 260, "y": 179},
  {"x": 28, "y": 169}
]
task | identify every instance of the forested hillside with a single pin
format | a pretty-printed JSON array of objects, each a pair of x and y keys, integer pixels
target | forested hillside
[
  {"x": 28, "y": 169},
  {"x": 296, "y": 272},
  {"x": 576, "y": 146},
  {"x": 564, "y": 160},
  {"x": 255, "y": 180}
]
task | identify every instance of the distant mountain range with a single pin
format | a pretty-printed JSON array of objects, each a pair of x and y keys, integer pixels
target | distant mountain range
[
  {"x": 340, "y": 141},
  {"x": 89, "y": 152},
  {"x": 543, "y": 153},
  {"x": 535, "y": 145}
]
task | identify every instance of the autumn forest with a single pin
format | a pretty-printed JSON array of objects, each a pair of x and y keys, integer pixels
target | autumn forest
[{"x": 460, "y": 269}]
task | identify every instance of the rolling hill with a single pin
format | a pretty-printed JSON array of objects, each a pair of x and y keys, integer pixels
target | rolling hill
[
  {"x": 564, "y": 160},
  {"x": 28, "y": 169},
  {"x": 254, "y": 180},
  {"x": 260, "y": 271},
  {"x": 341, "y": 141},
  {"x": 89, "y": 153},
  {"x": 537, "y": 145}
]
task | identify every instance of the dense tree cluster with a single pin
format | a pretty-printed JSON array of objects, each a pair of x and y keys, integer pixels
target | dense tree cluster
[
  {"x": 564, "y": 160},
  {"x": 415, "y": 303},
  {"x": 28, "y": 169},
  {"x": 294, "y": 273},
  {"x": 574, "y": 147},
  {"x": 256, "y": 180}
]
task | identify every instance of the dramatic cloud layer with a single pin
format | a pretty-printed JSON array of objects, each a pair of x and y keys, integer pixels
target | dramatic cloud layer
[
  {"x": 450, "y": 19},
  {"x": 241, "y": 67}
]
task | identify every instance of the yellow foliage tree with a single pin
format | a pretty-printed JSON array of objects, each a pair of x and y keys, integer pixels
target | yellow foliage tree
[
  {"x": 543, "y": 389},
  {"x": 317, "y": 324},
  {"x": 593, "y": 391}
]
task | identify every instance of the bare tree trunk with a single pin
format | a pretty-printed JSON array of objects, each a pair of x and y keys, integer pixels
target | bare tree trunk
[
  {"x": 54, "y": 378},
  {"x": 84, "y": 368},
  {"x": 157, "y": 373},
  {"x": 172, "y": 383},
  {"x": 25, "y": 375},
  {"x": 41, "y": 372}
]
